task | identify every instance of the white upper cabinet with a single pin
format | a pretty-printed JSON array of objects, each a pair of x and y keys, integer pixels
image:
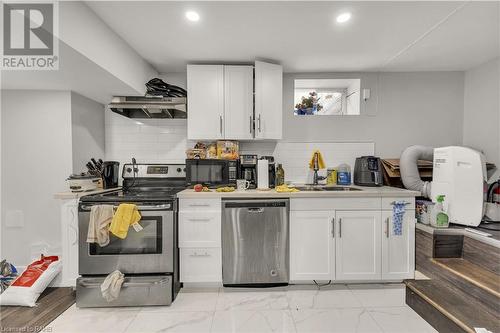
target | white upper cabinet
[
  {"x": 312, "y": 255},
  {"x": 221, "y": 102},
  {"x": 398, "y": 251},
  {"x": 268, "y": 100},
  {"x": 238, "y": 102},
  {"x": 358, "y": 245},
  {"x": 205, "y": 118}
]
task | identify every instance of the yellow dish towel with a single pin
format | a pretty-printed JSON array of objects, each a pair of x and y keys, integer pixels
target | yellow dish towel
[
  {"x": 125, "y": 216},
  {"x": 321, "y": 162},
  {"x": 285, "y": 188}
]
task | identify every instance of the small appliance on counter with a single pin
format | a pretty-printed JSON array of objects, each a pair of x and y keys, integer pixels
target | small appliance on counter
[
  {"x": 83, "y": 182},
  {"x": 211, "y": 172},
  {"x": 248, "y": 169},
  {"x": 110, "y": 171},
  {"x": 368, "y": 171}
]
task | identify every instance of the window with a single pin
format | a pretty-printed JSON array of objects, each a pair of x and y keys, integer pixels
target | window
[{"x": 323, "y": 97}]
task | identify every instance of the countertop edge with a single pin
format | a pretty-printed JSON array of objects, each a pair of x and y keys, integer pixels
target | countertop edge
[
  {"x": 367, "y": 192},
  {"x": 455, "y": 231},
  {"x": 77, "y": 195}
]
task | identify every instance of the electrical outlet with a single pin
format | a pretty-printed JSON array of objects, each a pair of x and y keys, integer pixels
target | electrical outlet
[{"x": 14, "y": 219}]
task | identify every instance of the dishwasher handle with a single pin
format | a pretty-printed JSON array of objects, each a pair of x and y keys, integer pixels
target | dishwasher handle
[
  {"x": 255, "y": 210},
  {"x": 250, "y": 204}
]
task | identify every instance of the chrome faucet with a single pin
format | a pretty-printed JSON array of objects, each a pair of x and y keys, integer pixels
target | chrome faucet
[{"x": 316, "y": 178}]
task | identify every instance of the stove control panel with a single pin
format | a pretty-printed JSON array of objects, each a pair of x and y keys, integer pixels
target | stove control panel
[{"x": 154, "y": 171}]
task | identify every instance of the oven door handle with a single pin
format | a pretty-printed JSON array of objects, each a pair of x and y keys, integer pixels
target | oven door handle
[
  {"x": 125, "y": 284},
  {"x": 86, "y": 208}
]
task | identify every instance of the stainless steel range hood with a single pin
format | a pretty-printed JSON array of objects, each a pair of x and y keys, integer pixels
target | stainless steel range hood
[{"x": 149, "y": 106}]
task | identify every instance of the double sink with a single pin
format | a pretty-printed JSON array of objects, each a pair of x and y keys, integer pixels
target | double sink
[{"x": 311, "y": 187}]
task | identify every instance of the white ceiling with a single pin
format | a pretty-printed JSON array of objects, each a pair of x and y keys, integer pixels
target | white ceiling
[
  {"x": 76, "y": 73},
  {"x": 304, "y": 37}
]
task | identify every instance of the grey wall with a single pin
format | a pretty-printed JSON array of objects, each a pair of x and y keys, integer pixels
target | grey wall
[
  {"x": 404, "y": 109},
  {"x": 36, "y": 158},
  {"x": 87, "y": 124},
  {"x": 482, "y": 110}
]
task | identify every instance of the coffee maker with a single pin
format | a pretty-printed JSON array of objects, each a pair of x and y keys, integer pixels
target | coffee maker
[
  {"x": 248, "y": 169},
  {"x": 272, "y": 170}
]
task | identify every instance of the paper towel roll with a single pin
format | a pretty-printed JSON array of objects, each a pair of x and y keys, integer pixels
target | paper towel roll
[{"x": 263, "y": 174}]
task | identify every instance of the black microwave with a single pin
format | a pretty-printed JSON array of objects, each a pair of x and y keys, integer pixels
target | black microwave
[{"x": 211, "y": 172}]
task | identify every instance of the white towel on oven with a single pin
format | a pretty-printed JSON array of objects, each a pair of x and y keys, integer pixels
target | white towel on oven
[
  {"x": 110, "y": 288},
  {"x": 100, "y": 219}
]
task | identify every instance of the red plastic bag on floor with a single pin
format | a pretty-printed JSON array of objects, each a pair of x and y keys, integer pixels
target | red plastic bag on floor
[{"x": 28, "y": 286}]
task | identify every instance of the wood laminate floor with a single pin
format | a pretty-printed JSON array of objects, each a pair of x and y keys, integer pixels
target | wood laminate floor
[{"x": 52, "y": 303}]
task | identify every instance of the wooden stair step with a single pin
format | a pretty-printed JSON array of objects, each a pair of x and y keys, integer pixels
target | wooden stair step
[
  {"x": 475, "y": 274},
  {"x": 461, "y": 309}
]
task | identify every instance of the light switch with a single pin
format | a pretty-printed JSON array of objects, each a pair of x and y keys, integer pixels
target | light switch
[{"x": 14, "y": 219}]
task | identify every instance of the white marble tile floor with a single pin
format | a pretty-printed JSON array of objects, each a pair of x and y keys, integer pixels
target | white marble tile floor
[{"x": 300, "y": 309}]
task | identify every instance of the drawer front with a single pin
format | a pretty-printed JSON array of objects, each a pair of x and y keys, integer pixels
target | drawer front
[
  {"x": 328, "y": 204},
  {"x": 135, "y": 291},
  {"x": 387, "y": 203},
  {"x": 197, "y": 229},
  {"x": 199, "y": 205},
  {"x": 201, "y": 265}
]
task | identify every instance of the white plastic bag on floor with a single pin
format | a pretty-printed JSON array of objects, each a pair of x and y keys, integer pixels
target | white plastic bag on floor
[{"x": 28, "y": 286}]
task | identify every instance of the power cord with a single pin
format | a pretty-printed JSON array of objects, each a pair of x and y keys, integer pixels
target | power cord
[
  {"x": 135, "y": 170},
  {"x": 322, "y": 285}
]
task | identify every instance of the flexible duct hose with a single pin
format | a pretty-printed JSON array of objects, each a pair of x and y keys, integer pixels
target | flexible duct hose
[{"x": 409, "y": 168}]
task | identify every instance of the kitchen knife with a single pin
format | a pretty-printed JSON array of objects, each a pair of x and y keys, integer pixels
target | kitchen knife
[
  {"x": 90, "y": 166},
  {"x": 96, "y": 165}
]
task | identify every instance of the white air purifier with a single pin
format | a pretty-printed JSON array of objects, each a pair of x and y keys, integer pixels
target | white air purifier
[{"x": 459, "y": 173}]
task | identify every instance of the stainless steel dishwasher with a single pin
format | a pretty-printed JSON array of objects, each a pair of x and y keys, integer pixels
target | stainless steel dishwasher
[{"x": 255, "y": 242}]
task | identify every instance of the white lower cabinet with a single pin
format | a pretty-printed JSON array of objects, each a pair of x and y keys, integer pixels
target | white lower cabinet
[
  {"x": 340, "y": 243},
  {"x": 358, "y": 245},
  {"x": 201, "y": 264},
  {"x": 398, "y": 251},
  {"x": 311, "y": 245},
  {"x": 199, "y": 229},
  {"x": 69, "y": 241},
  {"x": 200, "y": 240}
]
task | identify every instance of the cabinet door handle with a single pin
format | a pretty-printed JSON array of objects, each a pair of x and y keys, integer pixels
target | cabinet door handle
[
  {"x": 251, "y": 124},
  {"x": 340, "y": 228},
  {"x": 199, "y": 220},
  {"x": 403, "y": 202},
  {"x": 199, "y": 205},
  {"x": 220, "y": 124},
  {"x": 387, "y": 227},
  {"x": 259, "y": 122},
  {"x": 333, "y": 227},
  {"x": 206, "y": 254}
]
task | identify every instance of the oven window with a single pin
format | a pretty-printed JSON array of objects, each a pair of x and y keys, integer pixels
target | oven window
[
  {"x": 146, "y": 241},
  {"x": 207, "y": 173}
]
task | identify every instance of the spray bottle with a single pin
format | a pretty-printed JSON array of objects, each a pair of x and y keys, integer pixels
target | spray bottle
[{"x": 441, "y": 219}]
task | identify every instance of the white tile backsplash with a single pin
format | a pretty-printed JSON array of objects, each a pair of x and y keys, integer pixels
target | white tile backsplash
[
  {"x": 165, "y": 141},
  {"x": 148, "y": 140}
]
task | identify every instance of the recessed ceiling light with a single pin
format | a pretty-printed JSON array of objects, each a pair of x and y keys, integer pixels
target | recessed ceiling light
[
  {"x": 344, "y": 17},
  {"x": 192, "y": 16}
]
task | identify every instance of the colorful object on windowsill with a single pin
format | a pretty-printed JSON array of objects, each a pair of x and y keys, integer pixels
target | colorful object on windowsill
[{"x": 309, "y": 105}]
